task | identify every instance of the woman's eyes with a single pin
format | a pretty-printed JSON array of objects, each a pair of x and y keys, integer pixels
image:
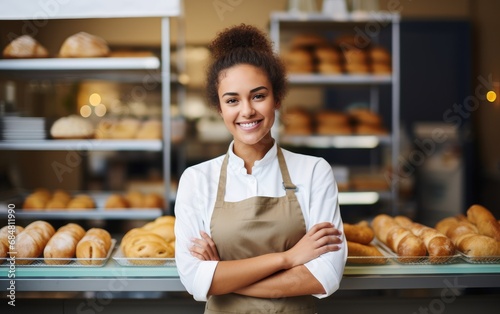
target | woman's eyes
[
  {"x": 259, "y": 96},
  {"x": 232, "y": 101}
]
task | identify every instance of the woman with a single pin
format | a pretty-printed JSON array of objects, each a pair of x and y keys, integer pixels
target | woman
[{"x": 258, "y": 230}]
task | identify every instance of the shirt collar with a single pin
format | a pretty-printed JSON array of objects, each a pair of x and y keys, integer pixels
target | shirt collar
[{"x": 236, "y": 163}]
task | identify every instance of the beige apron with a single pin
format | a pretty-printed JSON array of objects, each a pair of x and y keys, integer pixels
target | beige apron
[{"x": 252, "y": 227}]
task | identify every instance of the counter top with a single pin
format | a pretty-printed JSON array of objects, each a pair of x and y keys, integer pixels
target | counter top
[{"x": 114, "y": 277}]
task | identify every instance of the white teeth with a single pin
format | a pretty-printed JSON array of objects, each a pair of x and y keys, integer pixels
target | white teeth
[{"x": 248, "y": 125}]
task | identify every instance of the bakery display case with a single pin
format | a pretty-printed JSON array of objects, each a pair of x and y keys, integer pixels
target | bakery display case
[
  {"x": 145, "y": 69},
  {"x": 345, "y": 52}
]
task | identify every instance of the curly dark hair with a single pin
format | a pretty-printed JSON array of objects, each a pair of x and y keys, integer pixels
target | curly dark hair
[{"x": 244, "y": 44}]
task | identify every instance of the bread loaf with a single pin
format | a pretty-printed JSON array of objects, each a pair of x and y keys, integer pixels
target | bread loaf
[
  {"x": 359, "y": 233},
  {"x": 357, "y": 249},
  {"x": 484, "y": 220},
  {"x": 31, "y": 242},
  {"x": 5, "y": 233},
  {"x": 25, "y": 46},
  {"x": 466, "y": 238},
  {"x": 84, "y": 45},
  {"x": 62, "y": 246},
  {"x": 154, "y": 240},
  {"x": 382, "y": 225},
  {"x": 437, "y": 244},
  {"x": 93, "y": 247}
]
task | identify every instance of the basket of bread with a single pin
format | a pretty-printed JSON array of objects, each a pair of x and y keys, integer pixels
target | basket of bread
[
  {"x": 39, "y": 244},
  {"x": 153, "y": 244}
]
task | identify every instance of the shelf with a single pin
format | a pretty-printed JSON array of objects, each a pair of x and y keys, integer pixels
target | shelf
[
  {"x": 84, "y": 145},
  {"x": 42, "y": 10},
  {"x": 69, "y": 64},
  {"x": 363, "y": 197},
  {"x": 98, "y": 213},
  {"x": 340, "y": 79},
  {"x": 335, "y": 141},
  {"x": 380, "y": 17},
  {"x": 112, "y": 277}
]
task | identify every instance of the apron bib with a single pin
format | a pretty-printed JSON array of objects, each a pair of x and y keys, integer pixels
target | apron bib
[{"x": 252, "y": 227}]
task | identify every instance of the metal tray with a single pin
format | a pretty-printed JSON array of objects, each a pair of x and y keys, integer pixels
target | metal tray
[
  {"x": 420, "y": 260},
  {"x": 121, "y": 260},
  {"x": 480, "y": 259},
  {"x": 60, "y": 262}
]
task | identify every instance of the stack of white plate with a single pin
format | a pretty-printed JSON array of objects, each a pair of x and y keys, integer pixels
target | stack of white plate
[{"x": 23, "y": 128}]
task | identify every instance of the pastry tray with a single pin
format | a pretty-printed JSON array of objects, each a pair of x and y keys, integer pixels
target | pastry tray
[
  {"x": 60, "y": 262},
  {"x": 420, "y": 260},
  {"x": 480, "y": 259},
  {"x": 121, "y": 260}
]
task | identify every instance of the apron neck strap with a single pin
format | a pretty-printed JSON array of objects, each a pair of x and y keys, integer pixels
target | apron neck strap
[{"x": 289, "y": 187}]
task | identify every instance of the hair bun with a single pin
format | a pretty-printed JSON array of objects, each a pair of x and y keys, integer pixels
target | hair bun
[{"x": 241, "y": 36}]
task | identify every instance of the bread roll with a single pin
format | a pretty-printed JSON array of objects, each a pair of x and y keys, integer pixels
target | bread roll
[
  {"x": 466, "y": 239},
  {"x": 93, "y": 247},
  {"x": 5, "y": 233},
  {"x": 116, "y": 201},
  {"x": 147, "y": 246},
  {"x": 31, "y": 242},
  {"x": 359, "y": 233},
  {"x": 405, "y": 244},
  {"x": 484, "y": 220},
  {"x": 84, "y": 45},
  {"x": 25, "y": 46},
  {"x": 357, "y": 249},
  {"x": 382, "y": 225},
  {"x": 72, "y": 127},
  {"x": 62, "y": 245}
]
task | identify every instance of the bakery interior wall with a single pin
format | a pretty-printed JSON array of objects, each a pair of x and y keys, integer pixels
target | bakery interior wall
[{"x": 203, "y": 19}]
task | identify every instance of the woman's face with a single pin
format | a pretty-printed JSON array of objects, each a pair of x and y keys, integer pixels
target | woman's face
[{"x": 247, "y": 104}]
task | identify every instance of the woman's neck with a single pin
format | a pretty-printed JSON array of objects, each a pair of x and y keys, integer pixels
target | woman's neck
[{"x": 251, "y": 153}]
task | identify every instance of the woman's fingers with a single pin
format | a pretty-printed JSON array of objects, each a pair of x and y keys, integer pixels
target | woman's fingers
[{"x": 204, "y": 248}]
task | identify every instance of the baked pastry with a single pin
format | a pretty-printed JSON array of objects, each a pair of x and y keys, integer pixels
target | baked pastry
[
  {"x": 308, "y": 41},
  {"x": 484, "y": 220},
  {"x": 297, "y": 121},
  {"x": 370, "y": 254},
  {"x": 25, "y": 46},
  {"x": 298, "y": 61},
  {"x": 379, "y": 55},
  {"x": 153, "y": 200},
  {"x": 135, "y": 199},
  {"x": 330, "y": 68},
  {"x": 62, "y": 245},
  {"x": 81, "y": 202},
  {"x": 31, "y": 242},
  {"x": 400, "y": 240},
  {"x": 154, "y": 240},
  {"x": 327, "y": 54},
  {"x": 93, "y": 247},
  {"x": 466, "y": 238},
  {"x": 72, "y": 127},
  {"x": 5, "y": 233},
  {"x": 359, "y": 233},
  {"x": 116, "y": 201},
  {"x": 84, "y": 45}
]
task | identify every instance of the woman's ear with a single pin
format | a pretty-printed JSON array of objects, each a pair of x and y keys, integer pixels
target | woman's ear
[{"x": 277, "y": 106}]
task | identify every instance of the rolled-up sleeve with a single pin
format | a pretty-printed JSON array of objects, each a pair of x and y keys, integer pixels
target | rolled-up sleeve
[
  {"x": 328, "y": 268},
  {"x": 195, "y": 275}
]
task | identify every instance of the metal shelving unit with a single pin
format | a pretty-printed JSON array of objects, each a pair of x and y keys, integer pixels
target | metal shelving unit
[
  {"x": 372, "y": 81},
  {"x": 107, "y": 67}
]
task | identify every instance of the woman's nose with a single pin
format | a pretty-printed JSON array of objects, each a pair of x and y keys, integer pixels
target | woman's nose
[{"x": 247, "y": 109}]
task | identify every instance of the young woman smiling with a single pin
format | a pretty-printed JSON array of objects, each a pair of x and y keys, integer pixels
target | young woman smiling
[{"x": 258, "y": 230}]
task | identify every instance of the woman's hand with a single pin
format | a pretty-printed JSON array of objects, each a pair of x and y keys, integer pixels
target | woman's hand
[
  {"x": 204, "y": 248},
  {"x": 321, "y": 238}
]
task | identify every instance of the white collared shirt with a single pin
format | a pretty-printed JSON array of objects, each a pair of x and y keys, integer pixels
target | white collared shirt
[{"x": 316, "y": 192}]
